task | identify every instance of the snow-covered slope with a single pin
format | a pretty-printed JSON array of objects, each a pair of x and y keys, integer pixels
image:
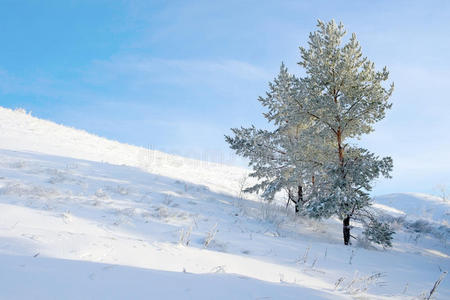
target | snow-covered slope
[
  {"x": 417, "y": 206},
  {"x": 22, "y": 132},
  {"x": 82, "y": 217}
]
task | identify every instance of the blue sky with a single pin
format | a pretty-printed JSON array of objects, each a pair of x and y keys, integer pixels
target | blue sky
[{"x": 176, "y": 75}]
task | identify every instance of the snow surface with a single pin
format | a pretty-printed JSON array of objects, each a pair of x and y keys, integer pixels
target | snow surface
[
  {"x": 417, "y": 206},
  {"x": 83, "y": 217}
]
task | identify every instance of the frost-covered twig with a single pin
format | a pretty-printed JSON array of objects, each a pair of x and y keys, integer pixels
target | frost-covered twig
[
  {"x": 185, "y": 237},
  {"x": 218, "y": 269},
  {"x": 436, "y": 284},
  {"x": 406, "y": 288},
  {"x": 210, "y": 236},
  {"x": 314, "y": 262},
  {"x": 338, "y": 282},
  {"x": 361, "y": 284},
  {"x": 351, "y": 257},
  {"x": 305, "y": 256}
]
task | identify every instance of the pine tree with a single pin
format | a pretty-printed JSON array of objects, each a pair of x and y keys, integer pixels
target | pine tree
[
  {"x": 272, "y": 154},
  {"x": 316, "y": 117},
  {"x": 345, "y": 96}
]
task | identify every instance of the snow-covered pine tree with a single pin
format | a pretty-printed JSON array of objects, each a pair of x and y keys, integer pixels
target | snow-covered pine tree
[
  {"x": 316, "y": 116},
  {"x": 271, "y": 153},
  {"x": 344, "y": 95}
]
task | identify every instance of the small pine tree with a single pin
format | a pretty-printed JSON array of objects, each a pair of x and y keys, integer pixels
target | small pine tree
[{"x": 378, "y": 232}]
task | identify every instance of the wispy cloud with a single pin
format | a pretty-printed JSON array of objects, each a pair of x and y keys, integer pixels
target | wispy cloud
[{"x": 138, "y": 71}]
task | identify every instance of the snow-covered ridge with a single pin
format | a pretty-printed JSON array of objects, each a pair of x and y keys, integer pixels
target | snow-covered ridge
[
  {"x": 416, "y": 206},
  {"x": 415, "y": 212},
  {"x": 23, "y": 132}
]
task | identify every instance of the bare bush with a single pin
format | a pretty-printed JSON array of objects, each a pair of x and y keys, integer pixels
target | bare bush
[{"x": 360, "y": 283}]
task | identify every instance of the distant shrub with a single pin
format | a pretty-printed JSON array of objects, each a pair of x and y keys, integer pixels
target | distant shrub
[
  {"x": 22, "y": 111},
  {"x": 379, "y": 233}
]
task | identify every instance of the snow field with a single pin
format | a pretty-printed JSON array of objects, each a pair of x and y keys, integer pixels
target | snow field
[{"x": 85, "y": 217}]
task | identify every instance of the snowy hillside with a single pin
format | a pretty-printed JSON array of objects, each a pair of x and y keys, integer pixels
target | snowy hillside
[
  {"x": 416, "y": 206},
  {"x": 82, "y": 217},
  {"x": 22, "y": 132}
]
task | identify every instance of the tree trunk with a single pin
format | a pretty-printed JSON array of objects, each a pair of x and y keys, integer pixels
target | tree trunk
[
  {"x": 340, "y": 148},
  {"x": 346, "y": 221},
  {"x": 299, "y": 199},
  {"x": 289, "y": 198},
  {"x": 346, "y": 230}
]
